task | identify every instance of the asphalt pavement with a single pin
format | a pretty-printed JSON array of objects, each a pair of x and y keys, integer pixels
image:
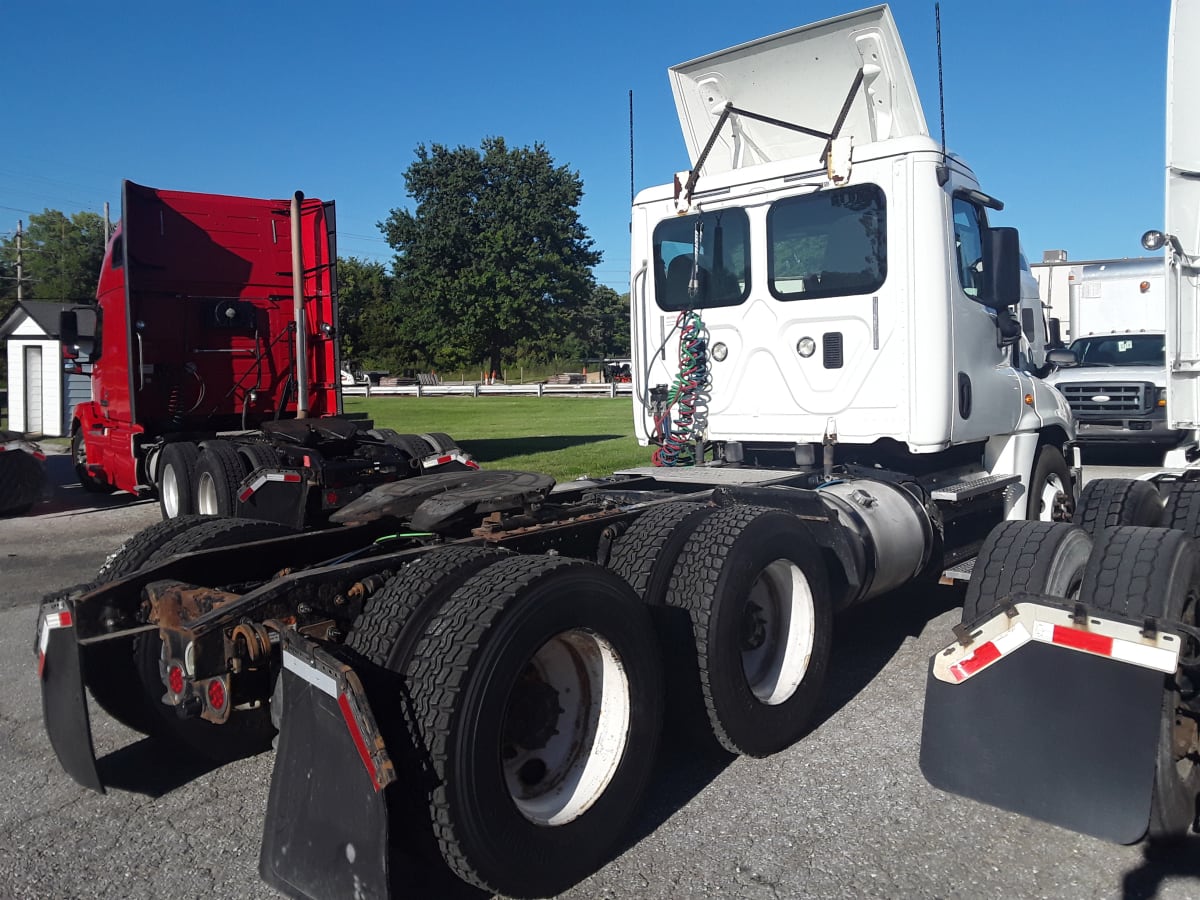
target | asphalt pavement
[{"x": 842, "y": 813}]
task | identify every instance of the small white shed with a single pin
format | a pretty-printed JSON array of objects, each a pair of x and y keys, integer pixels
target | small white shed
[{"x": 41, "y": 395}]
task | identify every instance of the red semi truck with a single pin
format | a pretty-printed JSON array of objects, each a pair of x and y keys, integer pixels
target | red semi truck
[{"x": 214, "y": 364}]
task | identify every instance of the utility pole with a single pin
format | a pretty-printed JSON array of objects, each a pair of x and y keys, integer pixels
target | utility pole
[
  {"x": 20, "y": 280},
  {"x": 107, "y": 224}
]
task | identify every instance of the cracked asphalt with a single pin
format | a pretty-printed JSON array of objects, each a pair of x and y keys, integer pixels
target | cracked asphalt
[{"x": 843, "y": 813}]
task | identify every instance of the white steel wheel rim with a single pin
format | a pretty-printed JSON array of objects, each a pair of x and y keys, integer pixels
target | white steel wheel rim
[
  {"x": 565, "y": 728},
  {"x": 779, "y": 630},
  {"x": 1049, "y": 492},
  {"x": 170, "y": 491},
  {"x": 206, "y": 495}
]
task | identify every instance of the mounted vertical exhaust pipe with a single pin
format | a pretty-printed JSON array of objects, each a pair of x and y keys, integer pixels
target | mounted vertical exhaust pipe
[{"x": 298, "y": 311}]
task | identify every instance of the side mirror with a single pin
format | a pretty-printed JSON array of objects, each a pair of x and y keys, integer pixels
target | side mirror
[
  {"x": 1055, "y": 332},
  {"x": 1062, "y": 358},
  {"x": 73, "y": 346},
  {"x": 1001, "y": 269}
]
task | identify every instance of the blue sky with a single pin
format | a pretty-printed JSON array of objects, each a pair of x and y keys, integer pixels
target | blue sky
[{"x": 1058, "y": 106}]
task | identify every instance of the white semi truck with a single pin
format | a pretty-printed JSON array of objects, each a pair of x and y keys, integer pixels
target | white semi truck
[
  {"x": 1070, "y": 691},
  {"x": 468, "y": 671}
]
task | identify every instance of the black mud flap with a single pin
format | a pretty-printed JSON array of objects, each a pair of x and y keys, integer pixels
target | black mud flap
[
  {"x": 273, "y": 495},
  {"x": 326, "y": 830},
  {"x": 64, "y": 704},
  {"x": 1062, "y": 736}
]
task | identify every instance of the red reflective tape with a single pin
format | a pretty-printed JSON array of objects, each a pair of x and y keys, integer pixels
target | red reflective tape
[
  {"x": 41, "y": 665},
  {"x": 442, "y": 460},
  {"x": 1082, "y": 640},
  {"x": 359, "y": 742},
  {"x": 246, "y": 494},
  {"x": 64, "y": 619},
  {"x": 984, "y": 655},
  {"x": 291, "y": 477}
]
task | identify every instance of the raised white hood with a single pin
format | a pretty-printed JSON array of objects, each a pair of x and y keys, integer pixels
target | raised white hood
[{"x": 803, "y": 77}]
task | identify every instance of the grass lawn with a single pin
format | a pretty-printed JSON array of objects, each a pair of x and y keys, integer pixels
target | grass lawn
[{"x": 561, "y": 436}]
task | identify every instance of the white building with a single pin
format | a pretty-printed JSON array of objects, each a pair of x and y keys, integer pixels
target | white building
[{"x": 41, "y": 395}]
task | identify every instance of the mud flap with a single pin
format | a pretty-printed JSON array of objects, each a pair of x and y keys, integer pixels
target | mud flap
[
  {"x": 326, "y": 830},
  {"x": 64, "y": 704},
  {"x": 1063, "y": 736},
  {"x": 273, "y": 495}
]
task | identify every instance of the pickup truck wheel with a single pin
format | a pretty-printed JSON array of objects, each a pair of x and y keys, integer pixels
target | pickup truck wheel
[
  {"x": 646, "y": 553},
  {"x": 1111, "y": 502},
  {"x": 755, "y": 585},
  {"x": 1182, "y": 509},
  {"x": 87, "y": 480},
  {"x": 1135, "y": 573},
  {"x": 219, "y": 471},
  {"x": 176, "y": 477},
  {"x": 536, "y": 691},
  {"x": 394, "y": 618},
  {"x": 1051, "y": 498},
  {"x": 1038, "y": 557}
]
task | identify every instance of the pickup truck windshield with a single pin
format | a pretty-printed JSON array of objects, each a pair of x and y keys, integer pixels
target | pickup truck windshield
[{"x": 1121, "y": 350}]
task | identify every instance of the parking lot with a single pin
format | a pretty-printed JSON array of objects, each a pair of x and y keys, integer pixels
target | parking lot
[{"x": 843, "y": 813}]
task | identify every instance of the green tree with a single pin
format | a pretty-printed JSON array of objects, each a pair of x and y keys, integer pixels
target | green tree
[
  {"x": 366, "y": 311},
  {"x": 491, "y": 255},
  {"x": 60, "y": 256}
]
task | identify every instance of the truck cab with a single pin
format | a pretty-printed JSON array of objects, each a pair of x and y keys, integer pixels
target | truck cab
[{"x": 839, "y": 269}]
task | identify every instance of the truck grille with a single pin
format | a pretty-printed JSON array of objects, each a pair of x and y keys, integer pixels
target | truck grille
[{"x": 1099, "y": 399}]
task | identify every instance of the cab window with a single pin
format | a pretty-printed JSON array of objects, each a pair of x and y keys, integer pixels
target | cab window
[
  {"x": 969, "y": 226},
  {"x": 719, "y": 275},
  {"x": 827, "y": 244}
]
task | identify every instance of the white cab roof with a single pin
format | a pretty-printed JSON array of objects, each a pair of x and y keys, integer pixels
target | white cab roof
[{"x": 802, "y": 76}]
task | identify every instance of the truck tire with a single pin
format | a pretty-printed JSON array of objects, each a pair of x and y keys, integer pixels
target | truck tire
[
  {"x": 114, "y": 681},
  {"x": 440, "y": 442},
  {"x": 1111, "y": 502},
  {"x": 257, "y": 456},
  {"x": 1038, "y": 557},
  {"x": 176, "y": 479},
  {"x": 394, "y": 618},
  {"x": 646, "y": 553},
  {"x": 219, "y": 471},
  {"x": 87, "y": 480},
  {"x": 1135, "y": 573},
  {"x": 1182, "y": 510},
  {"x": 537, "y": 698},
  {"x": 1051, "y": 498},
  {"x": 755, "y": 586}
]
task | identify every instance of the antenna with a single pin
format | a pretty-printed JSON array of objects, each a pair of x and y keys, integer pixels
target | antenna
[
  {"x": 631, "y": 149},
  {"x": 943, "y": 171}
]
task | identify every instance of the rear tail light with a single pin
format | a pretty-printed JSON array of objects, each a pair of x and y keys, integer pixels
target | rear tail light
[
  {"x": 217, "y": 695},
  {"x": 175, "y": 679}
]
